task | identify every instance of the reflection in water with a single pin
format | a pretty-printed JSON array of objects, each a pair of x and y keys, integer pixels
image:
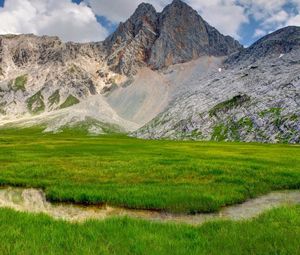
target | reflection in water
[{"x": 34, "y": 201}]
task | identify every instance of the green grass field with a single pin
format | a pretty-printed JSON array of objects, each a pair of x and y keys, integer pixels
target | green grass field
[
  {"x": 171, "y": 176},
  {"x": 274, "y": 233},
  {"x": 185, "y": 177}
]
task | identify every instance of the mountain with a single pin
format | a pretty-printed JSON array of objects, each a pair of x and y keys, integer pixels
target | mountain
[
  {"x": 176, "y": 35},
  {"x": 159, "y": 75},
  {"x": 255, "y": 96},
  {"x": 41, "y": 75}
]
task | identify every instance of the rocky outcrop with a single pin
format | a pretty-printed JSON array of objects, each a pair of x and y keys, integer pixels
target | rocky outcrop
[
  {"x": 184, "y": 35},
  {"x": 129, "y": 47},
  {"x": 34, "y": 69},
  {"x": 256, "y": 97},
  {"x": 176, "y": 35}
]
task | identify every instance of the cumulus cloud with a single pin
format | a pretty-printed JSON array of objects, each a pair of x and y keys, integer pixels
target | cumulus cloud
[
  {"x": 294, "y": 21},
  {"x": 63, "y": 18},
  {"x": 277, "y": 18},
  {"x": 272, "y": 14},
  {"x": 262, "y": 9},
  {"x": 226, "y": 16}
]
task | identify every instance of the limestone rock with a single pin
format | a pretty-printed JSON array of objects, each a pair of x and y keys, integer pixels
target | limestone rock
[{"x": 176, "y": 35}]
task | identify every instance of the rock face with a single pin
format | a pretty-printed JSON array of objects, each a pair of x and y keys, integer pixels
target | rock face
[
  {"x": 176, "y": 35},
  {"x": 42, "y": 74},
  {"x": 255, "y": 98},
  {"x": 129, "y": 47},
  {"x": 184, "y": 35}
]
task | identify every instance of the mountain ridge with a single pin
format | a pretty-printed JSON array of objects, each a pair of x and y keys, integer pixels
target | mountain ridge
[
  {"x": 255, "y": 96},
  {"x": 163, "y": 75}
]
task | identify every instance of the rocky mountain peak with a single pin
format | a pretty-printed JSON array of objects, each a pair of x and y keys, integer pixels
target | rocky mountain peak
[
  {"x": 179, "y": 4},
  {"x": 135, "y": 38},
  {"x": 144, "y": 8},
  {"x": 145, "y": 15},
  {"x": 177, "y": 34}
]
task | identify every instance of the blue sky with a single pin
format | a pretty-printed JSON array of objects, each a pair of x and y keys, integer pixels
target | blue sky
[{"x": 93, "y": 20}]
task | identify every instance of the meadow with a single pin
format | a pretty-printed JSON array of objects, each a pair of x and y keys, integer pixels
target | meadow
[
  {"x": 274, "y": 232},
  {"x": 180, "y": 177}
]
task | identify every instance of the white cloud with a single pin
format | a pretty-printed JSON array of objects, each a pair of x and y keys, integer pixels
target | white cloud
[
  {"x": 278, "y": 18},
  {"x": 226, "y": 16},
  {"x": 262, "y": 9},
  {"x": 120, "y": 10},
  {"x": 259, "y": 32},
  {"x": 69, "y": 21},
  {"x": 294, "y": 21},
  {"x": 272, "y": 14}
]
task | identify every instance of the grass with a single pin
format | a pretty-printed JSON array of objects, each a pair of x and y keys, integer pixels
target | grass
[
  {"x": 171, "y": 176},
  {"x": 275, "y": 113},
  {"x": 71, "y": 100},
  {"x": 88, "y": 123},
  {"x": 20, "y": 83},
  {"x": 54, "y": 98},
  {"x": 230, "y": 130},
  {"x": 229, "y": 104},
  {"x": 275, "y": 232},
  {"x": 35, "y": 103}
]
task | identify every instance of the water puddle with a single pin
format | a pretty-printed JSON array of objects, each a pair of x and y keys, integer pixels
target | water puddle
[{"x": 34, "y": 201}]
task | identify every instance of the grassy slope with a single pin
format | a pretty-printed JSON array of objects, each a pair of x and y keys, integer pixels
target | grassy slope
[
  {"x": 166, "y": 175},
  {"x": 275, "y": 232},
  {"x": 71, "y": 100},
  {"x": 20, "y": 83}
]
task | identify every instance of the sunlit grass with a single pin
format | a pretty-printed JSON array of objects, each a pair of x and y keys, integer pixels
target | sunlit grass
[
  {"x": 164, "y": 175},
  {"x": 275, "y": 232}
]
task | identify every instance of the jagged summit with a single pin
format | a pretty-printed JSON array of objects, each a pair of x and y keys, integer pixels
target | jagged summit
[
  {"x": 143, "y": 7},
  {"x": 179, "y": 4},
  {"x": 177, "y": 34},
  {"x": 128, "y": 47}
]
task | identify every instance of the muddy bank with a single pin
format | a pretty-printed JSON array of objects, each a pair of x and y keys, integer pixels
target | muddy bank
[{"x": 34, "y": 201}]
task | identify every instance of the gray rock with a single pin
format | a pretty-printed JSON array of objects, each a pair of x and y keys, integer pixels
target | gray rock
[
  {"x": 176, "y": 35},
  {"x": 184, "y": 35},
  {"x": 256, "y": 98}
]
